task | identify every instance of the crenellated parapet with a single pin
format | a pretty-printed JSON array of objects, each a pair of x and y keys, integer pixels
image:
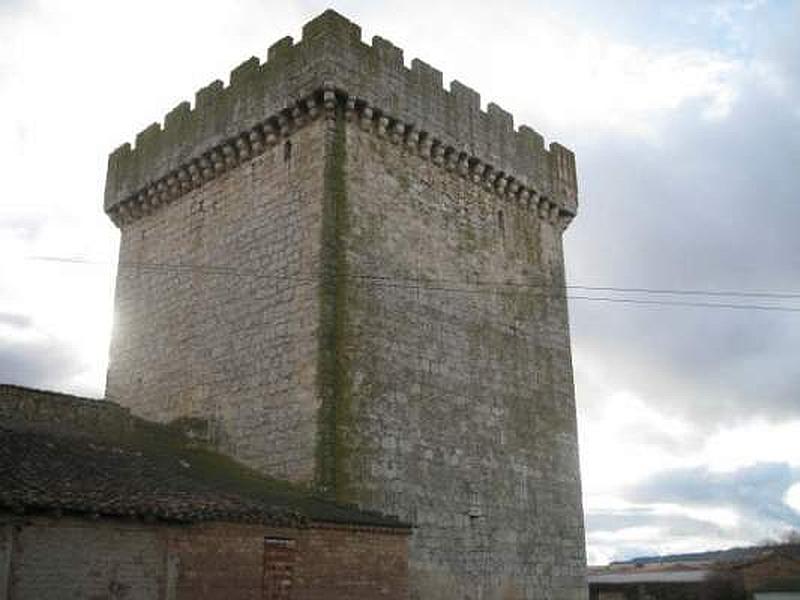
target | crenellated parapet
[{"x": 330, "y": 65}]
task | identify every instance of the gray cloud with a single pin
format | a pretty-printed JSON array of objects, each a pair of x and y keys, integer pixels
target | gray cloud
[
  {"x": 670, "y": 525},
  {"x": 24, "y": 226},
  {"x": 44, "y": 363},
  {"x": 757, "y": 492},
  {"x": 12, "y": 6},
  {"x": 17, "y": 320},
  {"x": 714, "y": 206}
]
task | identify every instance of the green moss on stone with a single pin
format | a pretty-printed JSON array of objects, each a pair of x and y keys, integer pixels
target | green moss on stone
[{"x": 334, "y": 386}]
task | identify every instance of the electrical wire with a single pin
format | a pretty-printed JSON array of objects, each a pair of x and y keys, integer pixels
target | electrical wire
[{"x": 478, "y": 286}]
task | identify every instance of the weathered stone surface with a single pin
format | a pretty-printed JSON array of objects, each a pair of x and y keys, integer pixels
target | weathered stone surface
[
  {"x": 457, "y": 404},
  {"x": 390, "y": 324},
  {"x": 331, "y": 53},
  {"x": 217, "y": 309}
]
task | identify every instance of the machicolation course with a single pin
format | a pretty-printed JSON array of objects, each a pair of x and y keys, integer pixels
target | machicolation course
[{"x": 264, "y": 103}]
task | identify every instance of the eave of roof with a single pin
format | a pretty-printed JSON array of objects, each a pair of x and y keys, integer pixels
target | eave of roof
[
  {"x": 687, "y": 576},
  {"x": 116, "y": 465}
]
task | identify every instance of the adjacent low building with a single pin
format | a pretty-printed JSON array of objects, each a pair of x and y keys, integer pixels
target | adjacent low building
[
  {"x": 681, "y": 582},
  {"x": 96, "y": 503},
  {"x": 757, "y": 573}
]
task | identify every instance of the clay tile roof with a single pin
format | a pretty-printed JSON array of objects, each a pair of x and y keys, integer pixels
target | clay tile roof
[{"x": 74, "y": 455}]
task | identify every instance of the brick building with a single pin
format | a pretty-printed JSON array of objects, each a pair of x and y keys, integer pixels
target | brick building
[
  {"x": 96, "y": 503},
  {"x": 347, "y": 276}
]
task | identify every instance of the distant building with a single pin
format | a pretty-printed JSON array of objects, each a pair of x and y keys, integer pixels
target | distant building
[
  {"x": 638, "y": 582},
  {"x": 758, "y": 573}
]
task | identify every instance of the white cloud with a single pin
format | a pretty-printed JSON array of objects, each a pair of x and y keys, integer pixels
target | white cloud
[
  {"x": 792, "y": 497},
  {"x": 570, "y": 78},
  {"x": 73, "y": 90},
  {"x": 716, "y": 515},
  {"x": 644, "y": 534},
  {"x": 78, "y": 80},
  {"x": 632, "y": 89},
  {"x": 626, "y": 440},
  {"x": 750, "y": 443},
  {"x": 722, "y": 516}
]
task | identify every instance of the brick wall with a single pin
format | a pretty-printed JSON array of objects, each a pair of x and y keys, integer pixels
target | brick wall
[
  {"x": 246, "y": 562},
  {"x": 353, "y": 564},
  {"x": 231, "y": 346},
  {"x": 457, "y": 406},
  {"x": 110, "y": 560},
  {"x": 218, "y": 562}
]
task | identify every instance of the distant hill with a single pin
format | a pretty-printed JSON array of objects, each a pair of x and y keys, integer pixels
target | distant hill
[{"x": 729, "y": 555}]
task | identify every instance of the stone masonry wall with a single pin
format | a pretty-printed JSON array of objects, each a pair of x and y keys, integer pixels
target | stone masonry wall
[
  {"x": 390, "y": 319},
  {"x": 68, "y": 558},
  {"x": 216, "y": 310},
  {"x": 37, "y": 406},
  {"x": 457, "y": 409},
  {"x": 262, "y": 99}
]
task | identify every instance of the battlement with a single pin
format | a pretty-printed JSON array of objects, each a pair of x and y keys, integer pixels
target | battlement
[{"x": 330, "y": 65}]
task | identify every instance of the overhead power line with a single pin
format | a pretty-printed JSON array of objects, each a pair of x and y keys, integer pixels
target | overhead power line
[
  {"x": 480, "y": 286},
  {"x": 687, "y": 303},
  {"x": 689, "y": 292}
]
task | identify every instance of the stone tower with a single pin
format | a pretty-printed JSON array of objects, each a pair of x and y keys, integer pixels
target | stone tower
[{"x": 345, "y": 275}]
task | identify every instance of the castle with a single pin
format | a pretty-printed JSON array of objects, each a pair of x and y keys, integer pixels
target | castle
[{"x": 344, "y": 275}]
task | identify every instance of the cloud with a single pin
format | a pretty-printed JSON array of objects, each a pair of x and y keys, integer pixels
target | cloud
[
  {"x": 15, "y": 320},
  {"x": 623, "y": 439},
  {"x": 42, "y": 363},
  {"x": 11, "y": 7},
  {"x": 665, "y": 515},
  {"x": 711, "y": 206},
  {"x": 694, "y": 509},
  {"x": 701, "y": 486},
  {"x": 756, "y": 492},
  {"x": 544, "y": 64},
  {"x": 752, "y": 442},
  {"x": 792, "y": 497}
]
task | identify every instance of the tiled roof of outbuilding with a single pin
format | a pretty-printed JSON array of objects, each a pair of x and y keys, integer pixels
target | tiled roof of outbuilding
[{"x": 70, "y": 454}]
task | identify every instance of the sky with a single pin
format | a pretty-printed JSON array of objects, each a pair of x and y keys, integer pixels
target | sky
[{"x": 685, "y": 119}]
